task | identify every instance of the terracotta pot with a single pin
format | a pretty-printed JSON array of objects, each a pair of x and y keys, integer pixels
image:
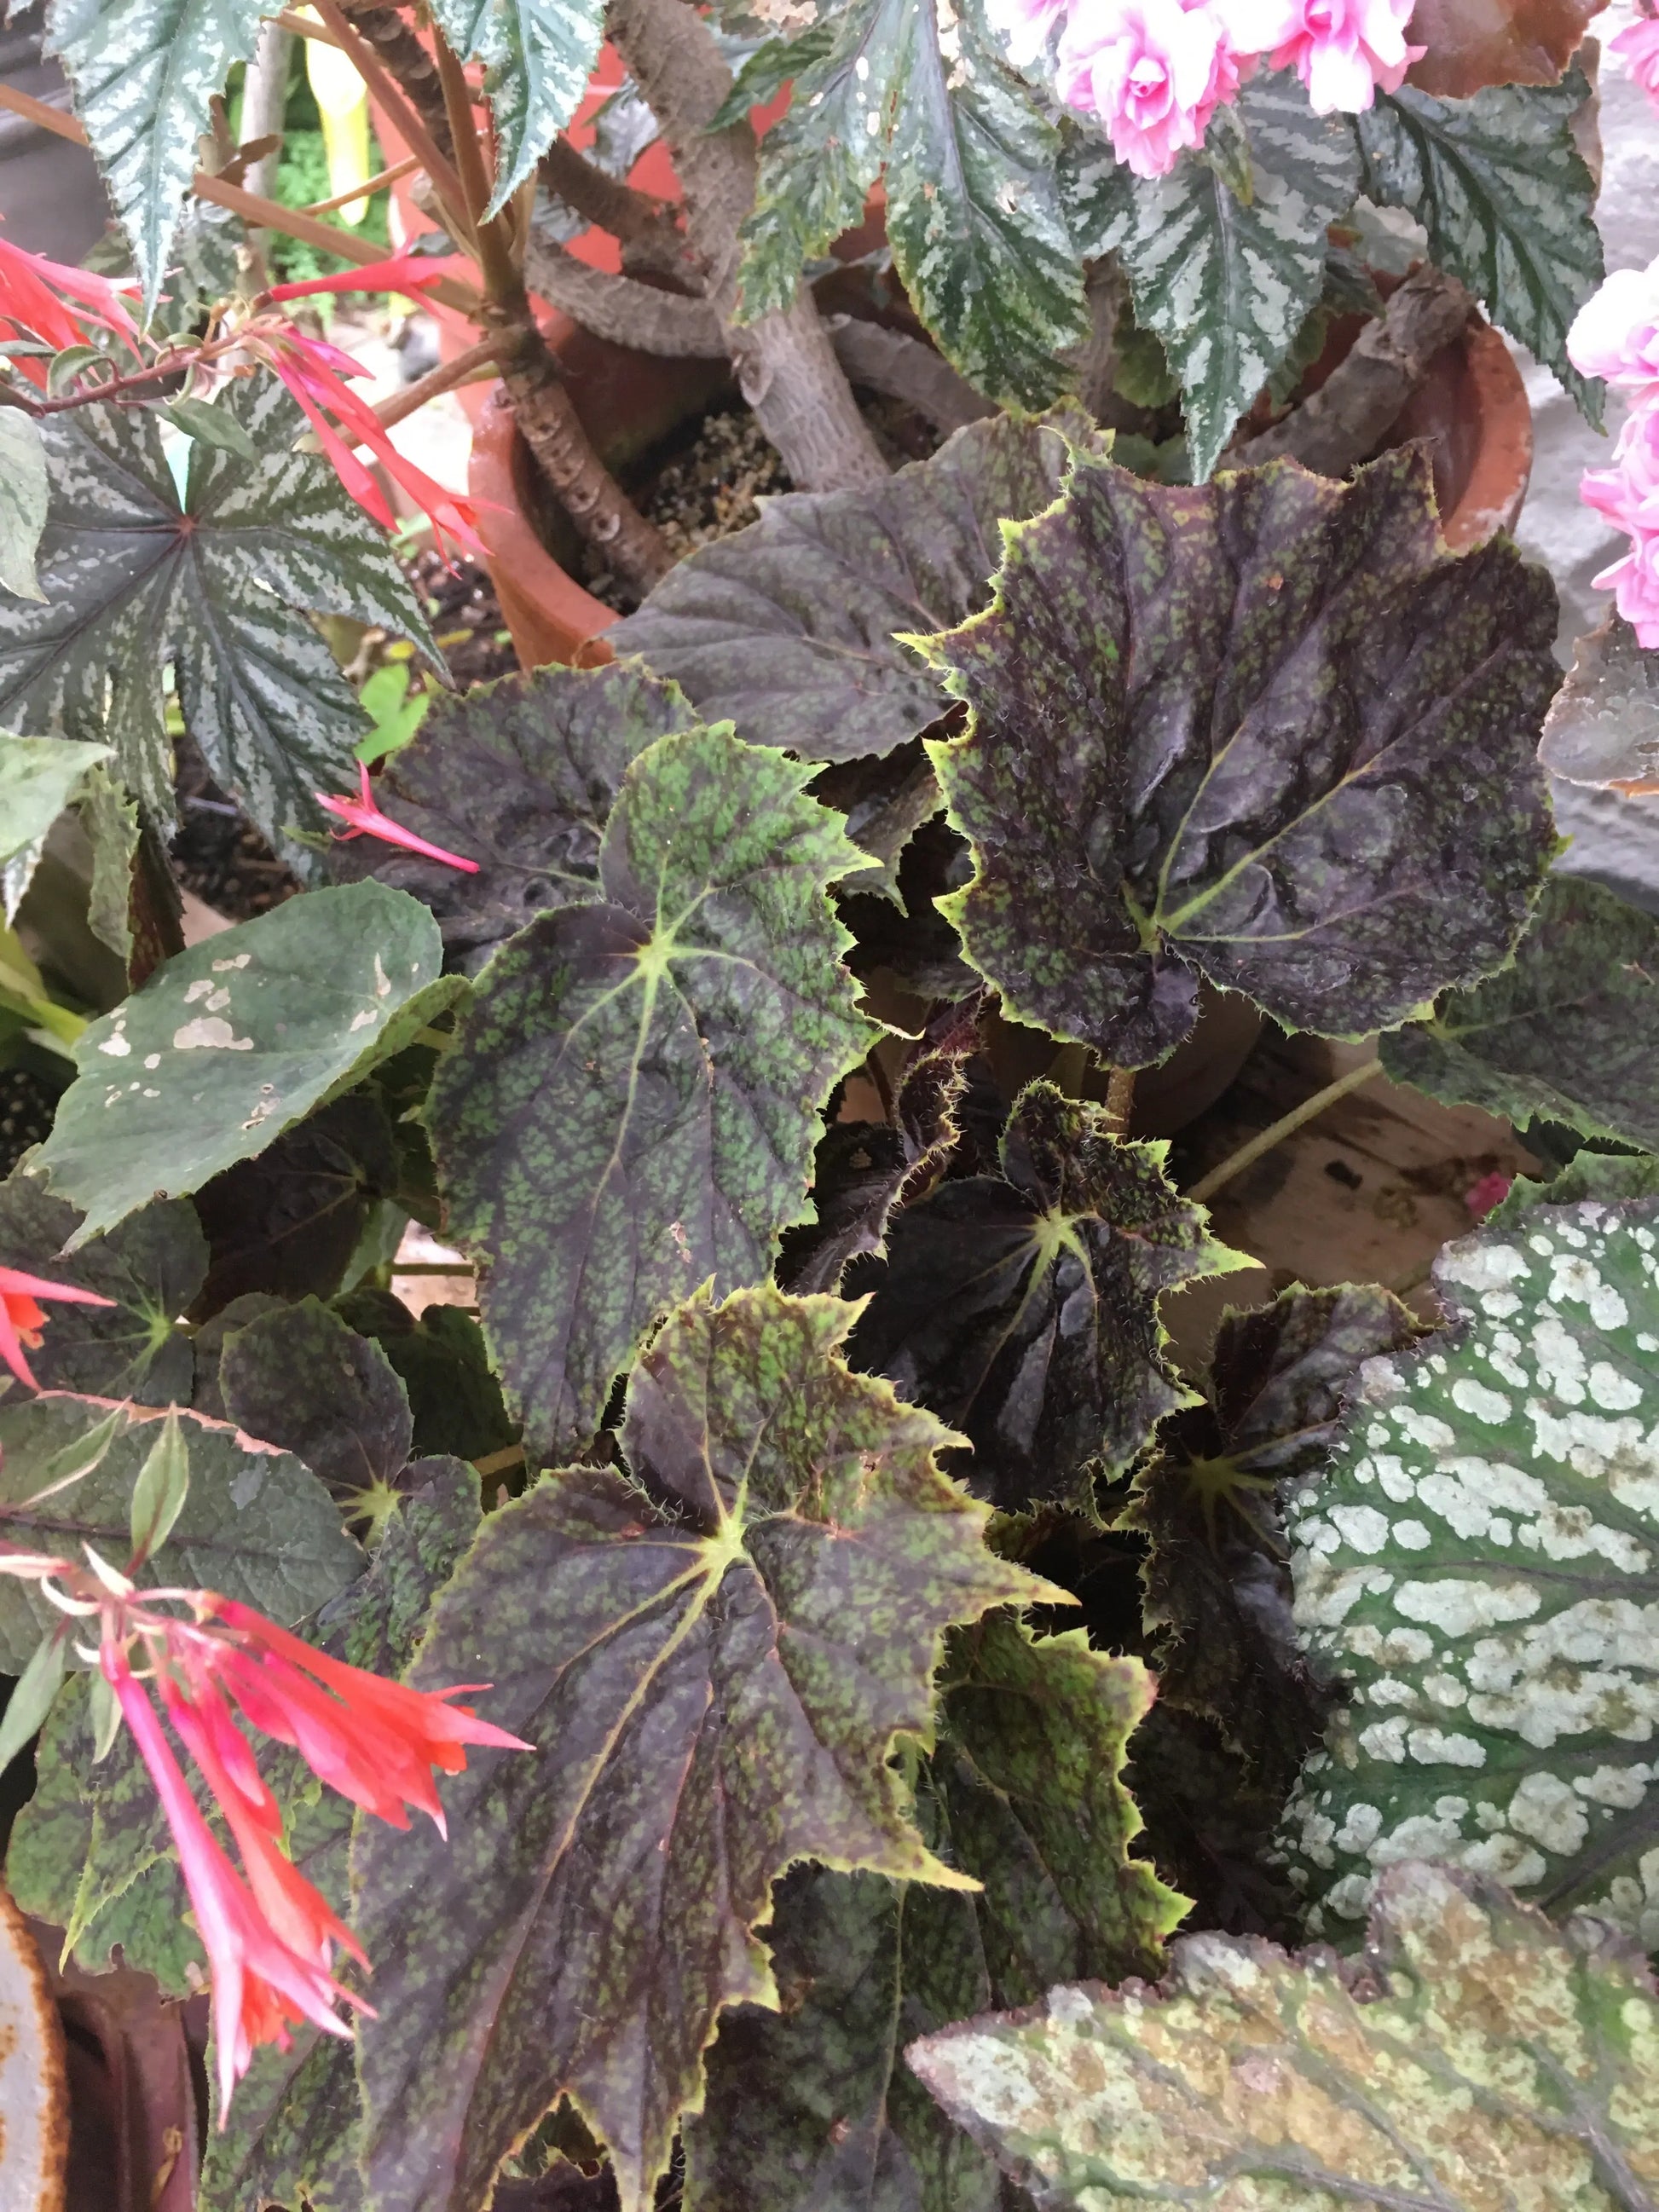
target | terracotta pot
[{"x": 1472, "y": 410}]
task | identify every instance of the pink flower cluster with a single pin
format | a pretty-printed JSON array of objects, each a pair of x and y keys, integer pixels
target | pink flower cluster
[
  {"x": 1152, "y": 72},
  {"x": 1638, "y": 44},
  {"x": 1615, "y": 334}
]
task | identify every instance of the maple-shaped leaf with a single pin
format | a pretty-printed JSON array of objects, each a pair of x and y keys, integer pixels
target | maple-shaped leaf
[
  {"x": 715, "y": 1651},
  {"x": 1477, "y": 1571},
  {"x": 152, "y": 1266},
  {"x": 443, "y": 1364},
  {"x": 866, "y": 1172},
  {"x": 298, "y": 1377},
  {"x": 1266, "y": 731},
  {"x": 927, "y": 102},
  {"x": 789, "y": 629},
  {"x": 235, "y": 1040},
  {"x": 812, "y": 2109},
  {"x": 1507, "y": 199},
  {"x": 1023, "y": 1309},
  {"x": 214, "y": 584},
  {"x": 1475, "y": 2057},
  {"x": 633, "y": 1099},
  {"x": 519, "y": 776},
  {"x": 1569, "y": 1029}
]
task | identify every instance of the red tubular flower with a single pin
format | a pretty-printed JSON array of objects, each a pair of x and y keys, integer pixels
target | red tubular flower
[
  {"x": 412, "y": 273},
  {"x": 29, "y": 303},
  {"x": 312, "y": 370},
  {"x": 374, "y": 1741},
  {"x": 262, "y": 1985},
  {"x": 367, "y": 821},
  {"x": 22, "y": 1319}
]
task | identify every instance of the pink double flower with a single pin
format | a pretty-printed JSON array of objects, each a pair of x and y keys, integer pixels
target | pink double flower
[
  {"x": 1615, "y": 334},
  {"x": 1152, "y": 72}
]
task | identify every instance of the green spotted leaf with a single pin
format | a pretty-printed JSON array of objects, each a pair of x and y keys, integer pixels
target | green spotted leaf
[
  {"x": 1498, "y": 183},
  {"x": 1480, "y": 1571},
  {"x": 1266, "y": 732},
  {"x": 236, "y": 1039},
  {"x": 1023, "y": 1309},
  {"x": 1613, "y": 1177},
  {"x": 38, "y": 777},
  {"x": 143, "y": 74},
  {"x": 23, "y": 494},
  {"x": 152, "y": 1265},
  {"x": 633, "y": 1099},
  {"x": 256, "y": 1525},
  {"x": 1569, "y": 1030},
  {"x": 979, "y": 238},
  {"x": 715, "y": 1653},
  {"x": 812, "y": 2109},
  {"x": 537, "y": 56},
  {"x": 443, "y": 1363},
  {"x": 291, "y": 2137},
  {"x": 519, "y": 776},
  {"x": 1225, "y": 281},
  {"x": 787, "y": 628},
  {"x": 298, "y": 1377},
  {"x": 214, "y": 584},
  {"x": 1476, "y": 2056}
]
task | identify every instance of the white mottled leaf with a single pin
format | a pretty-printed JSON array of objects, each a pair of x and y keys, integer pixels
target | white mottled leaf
[
  {"x": 23, "y": 501},
  {"x": 38, "y": 778},
  {"x": 1481, "y": 1568},
  {"x": 1226, "y": 285},
  {"x": 537, "y": 56},
  {"x": 216, "y": 585},
  {"x": 143, "y": 73},
  {"x": 1505, "y": 194}
]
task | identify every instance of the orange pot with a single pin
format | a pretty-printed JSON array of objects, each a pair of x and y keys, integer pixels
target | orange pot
[{"x": 1472, "y": 410}]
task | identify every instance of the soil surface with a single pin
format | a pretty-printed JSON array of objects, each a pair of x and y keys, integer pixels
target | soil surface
[{"x": 26, "y": 1105}]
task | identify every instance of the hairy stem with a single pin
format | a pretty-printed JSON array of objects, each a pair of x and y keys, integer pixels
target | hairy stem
[
  {"x": 1120, "y": 1099},
  {"x": 786, "y": 366},
  {"x": 651, "y": 239},
  {"x": 1287, "y": 1126}
]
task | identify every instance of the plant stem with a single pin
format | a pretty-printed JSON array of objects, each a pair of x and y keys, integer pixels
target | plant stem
[
  {"x": 491, "y": 239},
  {"x": 374, "y": 184},
  {"x": 477, "y": 361},
  {"x": 400, "y": 112},
  {"x": 1120, "y": 1099},
  {"x": 1247, "y": 1155}
]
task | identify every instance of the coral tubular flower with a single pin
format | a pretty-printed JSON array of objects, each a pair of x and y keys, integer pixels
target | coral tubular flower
[
  {"x": 374, "y": 1741},
  {"x": 367, "y": 821},
  {"x": 262, "y": 1986},
  {"x": 22, "y": 1319},
  {"x": 29, "y": 285},
  {"x": 413, "y": 273}
]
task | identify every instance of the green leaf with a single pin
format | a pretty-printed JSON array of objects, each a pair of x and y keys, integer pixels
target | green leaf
[
  {"x": 23, "y": 494},
  {"x": 143, "y": 73},
  {"x": 236, "y": 1039},
  {"x": 159, "y": 1493},
  {"x": 152, "y": 1265},
  {"x": 256, "y": 1527},
  {"x": 1226, "y": 283},
  {"x": 33, "y": 1694},
  {"x": 979, "y": 239},
  {"x": 110, "y": 819},
  {"x": 1477, "y": 1568},
  {"x": 298, "y": 1377},
  {"x": 289, "y": 1221},
  {"x": 290, "y": 2134},
  {"x": 214, "y": 426},
  {"x": 38, "y": 777},
  {"x": 773, "y": 65},
  {"x": 715, "y": 1656},
  {"x": 1498, "y": 183},
  {"x": 1569, "y": 1030},
  {"x": 1209, "y": 736},
  {"x": 1023, "y": 1310},
  {"x": 519, "y": 776},
  {"x": 1613, "y": 1177},
  {"x": 1476, "y": 2056},
  {"x": 215, "y": 585},
  {"x": 443, "y": 1364},
  {"x": 537, "y": 56},
  {"x": 787, "y": 628},
  {"x": 632, "y": 1103},
  {"x": 394, "y": 714},
  {"x": 812, "y": 2109}
]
